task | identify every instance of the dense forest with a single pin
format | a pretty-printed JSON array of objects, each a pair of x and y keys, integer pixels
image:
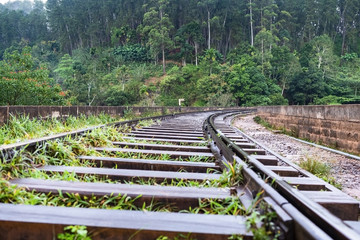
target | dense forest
[{"x": 153, "y": 52}]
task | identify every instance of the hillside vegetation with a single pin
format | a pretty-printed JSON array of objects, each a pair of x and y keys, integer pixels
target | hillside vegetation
[{"x": 153, "y": 52}]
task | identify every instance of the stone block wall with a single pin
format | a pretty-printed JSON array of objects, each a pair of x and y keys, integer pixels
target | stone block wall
[{"x": 335, "y": 125}]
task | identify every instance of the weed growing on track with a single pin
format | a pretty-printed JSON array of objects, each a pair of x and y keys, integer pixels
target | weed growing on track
[
  {"x": 64, "y": 152},
  {"x": 74, "y": 233},
  {"x": 319, "y": 169},
  {"x": 12, "y": 194},
  {"x": 23, "y": 128},
  {"x": 315, "y": 167},
  {"x": 229, "y": 206},
  {"x": 177, "y": 237}
]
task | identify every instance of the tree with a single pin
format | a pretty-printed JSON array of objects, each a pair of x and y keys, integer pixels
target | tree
[
  {"x": 210, "y": 62},
  {"x": 284, "y": 65},
  {"x": 348, "y": 10},
  {"x": 65, "y": 73},
  {"x": 251, "y": 22},
  {"x": 264, "y": 42},
  {"x": 157, "y": 26},
  {"x": 189, "y": 37},
  {"x": 22, "y": 83},
  {"x": 247, "y": 84},
  {"x": 209, "y": 6},
  {"x": 307, "y": 86},
  {"x": 349, "y": 73},
  {"x": 323, "y": 55},
  {"x": 122, "y": 74}
]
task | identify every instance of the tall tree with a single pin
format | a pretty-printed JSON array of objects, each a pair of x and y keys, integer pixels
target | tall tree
[
  {"x": 348, "y": 10},
  {"x": 209, "y": 6},
  {"x": 157, "y": 27}
]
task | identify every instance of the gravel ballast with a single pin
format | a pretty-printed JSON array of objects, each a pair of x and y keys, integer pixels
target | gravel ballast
[{"x": 346, "y": 171}]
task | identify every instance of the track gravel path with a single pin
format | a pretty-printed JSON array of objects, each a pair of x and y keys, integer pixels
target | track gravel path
[{"x": 346, "y": 171}]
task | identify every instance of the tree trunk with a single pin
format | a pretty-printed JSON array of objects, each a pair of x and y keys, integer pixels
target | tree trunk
[
  {"x": 343, "y": 20},
  {"x": 262, "y": 55},
  {"x": 196, "y": 53},
  {"x": 227, "y": 46},
  {"x": 251, "y": 25},
  {"x": 163, "y": 59},
  {"x": 70, "y": 41},
  {"x": 162, "y": 45},
  {"x": 283, "y": 89},
  {"x": 343, "y": 40},
  {"x": 209, "y": 30}
]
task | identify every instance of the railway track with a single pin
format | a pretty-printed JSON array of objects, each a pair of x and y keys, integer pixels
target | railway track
[{"x": 190, "y": 176}]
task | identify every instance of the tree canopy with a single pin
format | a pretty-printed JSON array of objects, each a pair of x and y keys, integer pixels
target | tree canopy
[{"x": 252, "y": 52}]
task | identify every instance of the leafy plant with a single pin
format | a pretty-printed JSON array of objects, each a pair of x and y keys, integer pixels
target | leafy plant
[
  {"x": 74, "y": 233},
  {"x": 315, "y": 167},
  {"x": 319, "y": 169}
]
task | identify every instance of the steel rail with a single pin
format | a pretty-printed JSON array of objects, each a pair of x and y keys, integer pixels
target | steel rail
[
  {"x": 41, "y": 222},
  {"x": 231, "y": 152},
  {"x": 6, "y": 151},
  {"x": 320, "y": 220},
  {"x": 293, "y": 222}
]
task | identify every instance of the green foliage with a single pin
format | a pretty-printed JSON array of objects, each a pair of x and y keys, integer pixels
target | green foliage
[
  {"x": 329, "y": 100},
  {"x": 74, "y": 233},
  {"x": 319, "y": 169},
  {"x": 248, "y": 85},
  {"x": 22, "y": 128},
  {"x": 65, "y": 71},
  {"x": 177, "y": 237},
  {"x": 23, "y": 83},
  {"x": 180, "y": 83},
  {"x": 291, "y": 60},
  {"x": 315, "y": 167},
  {"x": 133, "y": 53},
  {"x": 262, "y": 122},
  {"x": 210, "y": 61},
  {"x": 307, "y": 86},
  {"x": 157, "y": 27}
]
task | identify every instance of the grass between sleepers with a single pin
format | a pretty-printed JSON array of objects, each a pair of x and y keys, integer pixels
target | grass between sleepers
[{"x": 65, "y": 152}]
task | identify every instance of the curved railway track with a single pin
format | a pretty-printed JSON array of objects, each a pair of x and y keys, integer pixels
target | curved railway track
[{"x": 175, "y": 166}]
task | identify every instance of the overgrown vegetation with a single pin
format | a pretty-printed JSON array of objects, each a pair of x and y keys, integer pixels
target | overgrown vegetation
[
  {"x": 74, "y": 233},
  {"x": 65, "y": 152},
  {"x": 263, "y": 123},
  {"x": 22, "y": 128},
  {"x": 271, "y": 127},
  {"x": 319, "y": 169},
  {"x": 221, "y": 53}
]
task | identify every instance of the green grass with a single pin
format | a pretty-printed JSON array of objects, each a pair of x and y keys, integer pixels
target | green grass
[
  {"x": 23, "y": 128},
  {"x": 315, "y": 167},
  {"x": 262, "y": 122},
  {"x": 319, "y": 169},
  {"x": 271, "y": 127},
  {"x": 64, "y": 152}
]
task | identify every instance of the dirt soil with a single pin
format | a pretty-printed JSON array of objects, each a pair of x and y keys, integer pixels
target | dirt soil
[{"x": 345, "y": 170}]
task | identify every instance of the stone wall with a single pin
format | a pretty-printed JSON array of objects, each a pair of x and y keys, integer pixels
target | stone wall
[
  {"x": 46, "y": 112},
  {"x": 336, "y": 126}
]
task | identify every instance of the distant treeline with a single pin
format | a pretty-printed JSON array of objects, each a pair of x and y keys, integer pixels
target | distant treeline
[{"x": 287, "y": 51}]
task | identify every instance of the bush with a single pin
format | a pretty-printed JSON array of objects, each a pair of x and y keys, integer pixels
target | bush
[{"x": 133, "y": 53}]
